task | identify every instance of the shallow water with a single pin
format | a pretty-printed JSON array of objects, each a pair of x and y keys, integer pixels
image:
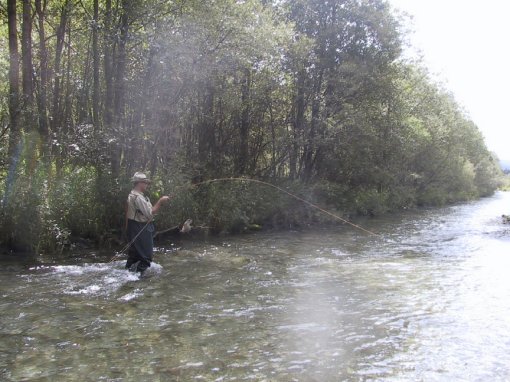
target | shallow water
[{"x": 427, "y": 301}]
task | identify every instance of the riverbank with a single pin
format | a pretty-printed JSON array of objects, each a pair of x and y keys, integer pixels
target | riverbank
[
  {"x": 235, "y": 208},
  {"x": 81, "y": 211}
]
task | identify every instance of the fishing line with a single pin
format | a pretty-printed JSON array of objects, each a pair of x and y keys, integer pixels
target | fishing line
[
  {"x": 291, "y": 195},
  {"x": 307, "y": 202},
  {"x": 126, "y": 247}
]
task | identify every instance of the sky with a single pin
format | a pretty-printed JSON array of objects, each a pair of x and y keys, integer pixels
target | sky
[{"x": 466, "y": 45}]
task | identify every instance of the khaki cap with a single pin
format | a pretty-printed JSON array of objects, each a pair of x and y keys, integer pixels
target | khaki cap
[{"x": 140, "y": 177}]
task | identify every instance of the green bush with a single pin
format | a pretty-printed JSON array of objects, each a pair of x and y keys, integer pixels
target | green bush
[{"x": 372, "y": 202}]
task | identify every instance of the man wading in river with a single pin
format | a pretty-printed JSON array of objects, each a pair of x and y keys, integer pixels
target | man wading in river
[{"x": 139, "y": 227}]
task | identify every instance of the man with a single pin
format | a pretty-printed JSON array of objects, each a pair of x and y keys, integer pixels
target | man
[{"x": 139, "y": 227}]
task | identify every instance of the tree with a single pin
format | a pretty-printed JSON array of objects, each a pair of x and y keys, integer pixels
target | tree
[
  {"x": 310, "y": 93},
  {"x": 26, "y": 55},
  {"x": 14, "y": 128}
]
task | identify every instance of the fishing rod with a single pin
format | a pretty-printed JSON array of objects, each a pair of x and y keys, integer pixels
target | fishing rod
[
  {"x": 126, "y": 247},
  {"x": 331, "y": 214},
  {"x": 233, "y": 179}
]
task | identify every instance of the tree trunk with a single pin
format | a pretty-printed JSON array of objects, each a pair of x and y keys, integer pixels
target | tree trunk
[
  {"x": 83, "y": 98},
  {"x": 68, "y": 106},
  {"x": 141, "y": 119},
  {"x": 56, "y": 111},
  {"x": 26, "y": 56},
  {"x": 244, "y": 126},
  {"x": 299, "y": 122},
  {"x": 95, "y": 59},
  {"x": 14, "y": 129},
  {"x": 108, "y": 71},
  {"x": 311, "y": 145},
  {"x": 119, "y": 97},
  {"x": 121, "y": 62},
  {"x": 273, "y": 142},
  {"x": 43, "y": 87}
]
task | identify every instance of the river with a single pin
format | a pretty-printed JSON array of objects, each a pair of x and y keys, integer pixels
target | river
[{"x": 428, "y": 300}]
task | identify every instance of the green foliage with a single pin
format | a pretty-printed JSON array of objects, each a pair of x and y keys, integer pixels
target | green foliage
[
  {"x": 76, "y": 204},
  {"x": 310, "y": 95},
  {"x": 504, "y": 184},
  {"x": 43, "y": 212},
  {"x": 372, "y": 202}
]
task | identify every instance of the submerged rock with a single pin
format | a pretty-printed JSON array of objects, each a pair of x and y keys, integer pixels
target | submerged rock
[
  {"x": 216, "y": 257},
  {"x": 187, "y": 252},
  {"x": 239, "y": 260}
]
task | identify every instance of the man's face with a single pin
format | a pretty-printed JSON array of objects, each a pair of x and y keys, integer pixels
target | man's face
[{"x": 144, "y": 186}]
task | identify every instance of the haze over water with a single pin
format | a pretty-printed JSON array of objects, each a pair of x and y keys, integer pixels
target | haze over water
[{"x": 461, "y": 43}]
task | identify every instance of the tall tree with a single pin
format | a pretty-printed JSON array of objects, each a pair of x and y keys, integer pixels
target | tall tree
[
  {"x": 14, "y": 128},
  {"x": 244, "y": 124},
  {"x": 40, "y": 7},
  {"x": 57, "y": 67},
  {"x": 95, "y": 57},
  {"x": 26, "y": 55},
  {"x": 120, "y": 86},
  {"x": 108, "y": 64}
]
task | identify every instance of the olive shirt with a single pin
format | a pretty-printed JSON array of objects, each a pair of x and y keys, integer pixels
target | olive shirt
[{"x": 139, "y": 207}]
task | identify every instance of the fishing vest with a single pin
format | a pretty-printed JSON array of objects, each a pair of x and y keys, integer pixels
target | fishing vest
[{"x": 139, "y": 207}]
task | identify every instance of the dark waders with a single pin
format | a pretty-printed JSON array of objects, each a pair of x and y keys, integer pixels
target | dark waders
[{"x": 140, "y": 252}]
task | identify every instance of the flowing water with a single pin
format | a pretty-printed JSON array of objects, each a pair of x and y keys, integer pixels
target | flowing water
[{"x": 427, "y": 301}]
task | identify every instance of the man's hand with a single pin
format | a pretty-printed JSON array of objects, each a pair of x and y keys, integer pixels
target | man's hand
[
  {"x": 164, "y": 199},
  {"x": 159, "y": 203}
]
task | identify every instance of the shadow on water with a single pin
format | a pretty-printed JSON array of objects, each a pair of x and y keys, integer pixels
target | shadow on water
[{"x": 426, "y": 301}]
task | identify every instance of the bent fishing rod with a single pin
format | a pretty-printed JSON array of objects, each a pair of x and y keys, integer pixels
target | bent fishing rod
[
  {"x": 233, "y": 179},
  {"x": 307, "y": 202}
]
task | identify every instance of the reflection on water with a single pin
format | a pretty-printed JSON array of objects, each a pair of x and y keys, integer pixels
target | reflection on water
[{"x": 427, "y": 301}]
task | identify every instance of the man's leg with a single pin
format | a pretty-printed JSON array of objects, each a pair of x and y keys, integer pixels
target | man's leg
[
  {"x": 142, "y": 266},
  {"x": 132, "y": 259}
]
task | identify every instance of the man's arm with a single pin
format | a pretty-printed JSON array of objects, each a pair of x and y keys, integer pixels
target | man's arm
[{"x": 159, "y": 203}]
